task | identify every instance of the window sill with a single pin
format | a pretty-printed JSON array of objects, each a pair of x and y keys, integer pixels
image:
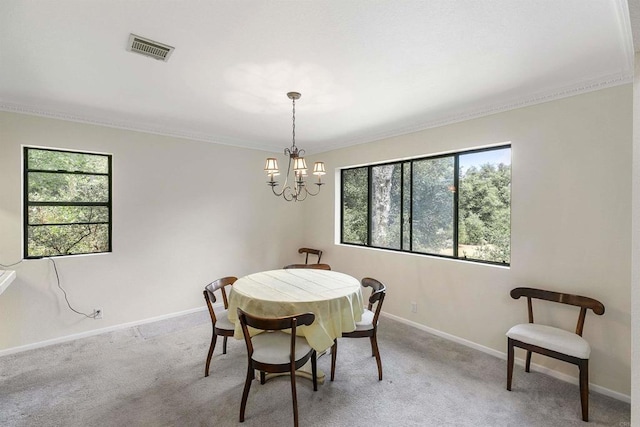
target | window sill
[{"x": 414, "y": 254}]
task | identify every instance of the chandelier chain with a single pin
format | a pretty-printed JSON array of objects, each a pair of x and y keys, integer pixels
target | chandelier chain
[{"x": 294, "y": 123}]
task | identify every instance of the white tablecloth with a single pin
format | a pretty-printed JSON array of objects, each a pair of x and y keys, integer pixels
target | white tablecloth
[{"x": 335, "y": 299}]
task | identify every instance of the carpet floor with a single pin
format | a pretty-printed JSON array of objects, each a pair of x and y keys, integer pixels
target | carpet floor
[{"x": 153, "y": 375}]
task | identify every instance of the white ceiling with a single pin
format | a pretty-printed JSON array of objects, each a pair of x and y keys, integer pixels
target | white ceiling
[{"x": 366, "y": 69}]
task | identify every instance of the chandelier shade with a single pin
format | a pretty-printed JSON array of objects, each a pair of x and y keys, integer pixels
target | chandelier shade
[
  {"x": 299, "y": 165},
  {"x": 271, "y": 166},
  {"x": 318, "y": 168},
  {"x": 297, "y": 190}
]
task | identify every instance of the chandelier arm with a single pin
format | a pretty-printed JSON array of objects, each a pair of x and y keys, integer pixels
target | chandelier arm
[
  {"x": 304, "y": 195},
  {"x": 292, "y": 197},
  {"x": 273, "y": 188},
  {"x": 317, "y": 192},
  {"x": 286, "y": 178}
]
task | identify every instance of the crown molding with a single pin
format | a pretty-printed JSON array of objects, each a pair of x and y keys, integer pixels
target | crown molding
[
  {"x": 132, "y": 126},
  {"x": 432, "y": 122},
  {"x": 494, "y": 108}
]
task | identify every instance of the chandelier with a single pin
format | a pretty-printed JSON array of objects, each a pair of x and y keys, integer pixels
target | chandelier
[{"x": 297, "y": 191}]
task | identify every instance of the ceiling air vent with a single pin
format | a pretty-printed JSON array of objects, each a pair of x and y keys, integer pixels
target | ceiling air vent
[{"x": 150, "y": 48}]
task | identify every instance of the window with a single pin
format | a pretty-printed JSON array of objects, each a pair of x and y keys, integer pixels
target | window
[
  {"x": 67, "y": 202},
  {"x": 456, "y": 205}
]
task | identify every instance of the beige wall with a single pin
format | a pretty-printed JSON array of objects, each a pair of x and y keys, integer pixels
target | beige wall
[
  {"x": 635, "y": 277},
  {"x": 187, "y": 212},
  {"x": 184, "y": 213},
  {"x": 571, "y": 229}
]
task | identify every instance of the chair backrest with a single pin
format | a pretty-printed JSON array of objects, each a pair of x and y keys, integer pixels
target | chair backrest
[
  {"x": 210, "y": 297},
  {"x": 584, "y": 303},
  {"x": 308, "y": 251},
  {"x": 378, "y": 292},
  {"x": 273, "y": 324},
  {"x": 312, "y": 266}
]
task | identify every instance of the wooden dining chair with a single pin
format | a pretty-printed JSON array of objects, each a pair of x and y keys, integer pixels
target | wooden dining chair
[
  {"x": 368, "y": 326},
  {"x": 274, "y": 351},
  {"x": 551, "y": 341},
  {"x": 219, "y": 320},
  {"x": 308, "y": 251},
  {"x": 313, "y": 266}
]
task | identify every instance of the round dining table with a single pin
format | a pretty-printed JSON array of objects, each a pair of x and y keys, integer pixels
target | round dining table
[{"x": 334, "y": 298}]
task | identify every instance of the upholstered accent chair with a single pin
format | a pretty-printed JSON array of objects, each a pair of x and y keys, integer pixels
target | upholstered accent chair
[{"x": 552, "y": 341}]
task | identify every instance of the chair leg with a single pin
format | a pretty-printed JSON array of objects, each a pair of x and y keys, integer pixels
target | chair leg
[
  {"x": 527, "y": 366},
  {"x": 211, "y": 347},
  {"x": 314, "y": 370},
  {"x": 584, "y": 388},
  {"x": 294, "y": 396},
  {"x": 334, "y": 350},
  {"x": 373, "y": 350},
  {"x": 509, "y": 363},
  {"x": 376, "y": 353},
  {"x": 263, "y": 377},
  {"x": 224, "y": 345},
  {"x": 245, "y": 392}
]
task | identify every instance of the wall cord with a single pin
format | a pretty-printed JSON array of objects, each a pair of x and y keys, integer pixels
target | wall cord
[{"x": 55, "y": 269}]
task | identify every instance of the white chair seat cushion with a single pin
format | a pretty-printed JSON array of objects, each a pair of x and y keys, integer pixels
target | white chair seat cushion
[
  {"x": 551, "y": 338},
  {"x": 274, "y": 347},
  {"x": 222, "y": 320},
  {"x": 367, "y": 321}
]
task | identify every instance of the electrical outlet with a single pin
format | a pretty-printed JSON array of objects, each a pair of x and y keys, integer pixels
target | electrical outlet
[
  {"x": 414, "y": 307},
  {"x": 97, "y": 313}
]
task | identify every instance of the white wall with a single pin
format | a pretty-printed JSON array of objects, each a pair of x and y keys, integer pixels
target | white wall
[
  {"x": 571, "y": 230},
  {"x": 635, "y": 276},
  {"x": 184, "y": 213},
  {"x": 187, "y": 212}
]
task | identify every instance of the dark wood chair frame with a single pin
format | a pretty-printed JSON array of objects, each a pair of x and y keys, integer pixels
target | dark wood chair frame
[
  {"x": 313, "y": 266},
  {"x": 308, "y": 251},
  {"x": 210, "y": 298},
  {"x": 584, "y": 303},
  {"x": 379, "y": 290},
  {"x": 276, "y": 324}
]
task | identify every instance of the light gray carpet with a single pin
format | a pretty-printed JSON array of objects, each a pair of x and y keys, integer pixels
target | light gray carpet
[{"x": 153, "y": 375}]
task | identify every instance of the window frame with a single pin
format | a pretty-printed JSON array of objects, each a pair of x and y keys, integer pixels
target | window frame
[
  {"x": 27, "y": 203},
  {"x": 456, "y": 207}
]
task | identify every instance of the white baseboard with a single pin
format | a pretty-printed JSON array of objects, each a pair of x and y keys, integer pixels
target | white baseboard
[
  {"x": 93, "y": 332},
  {"x": 501, "y": 355}
]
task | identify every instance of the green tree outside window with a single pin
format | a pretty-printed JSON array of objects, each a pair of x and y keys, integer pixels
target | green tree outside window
[
  {"x": 413, "y": 205},
  {"x": 67, "y": 202}
]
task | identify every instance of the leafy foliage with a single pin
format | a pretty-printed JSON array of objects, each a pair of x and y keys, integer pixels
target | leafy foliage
[
  {"x": 67, "y": 203},
  {"x": 485, "y": 212},
  {"x": 68, "y": 239},
  {"x": 54, "y": 160},
  {"x": 386, "y": 201},
  {"x": 427, "y": 206},
  {"x": 433, "y": 206},
  {"x": 355, "y": 184}
]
